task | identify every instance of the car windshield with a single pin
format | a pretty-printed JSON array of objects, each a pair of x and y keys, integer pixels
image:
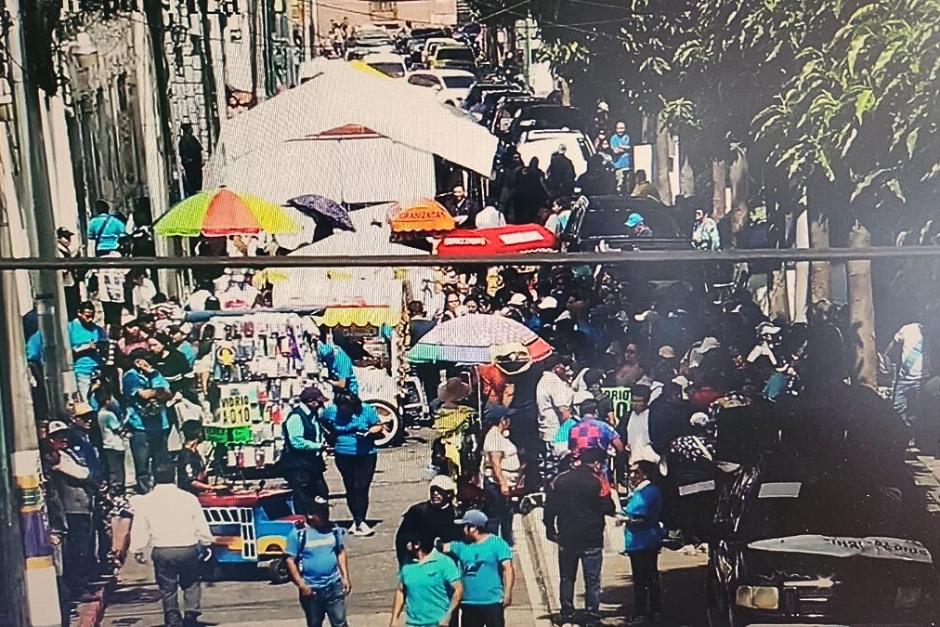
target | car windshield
[
  {"x": 427, "y": 33},
  {"x": 832, "y": 509},
  {"x": 457, "y": 82},
  {"x": 454, "y": 54},
  {"x": 389, "y": 68}
]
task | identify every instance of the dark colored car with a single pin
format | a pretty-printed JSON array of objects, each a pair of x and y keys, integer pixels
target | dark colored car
[
  {"x": 506, "y": 109},
  {"x": 481, "y": 88},
  {"x": 806, "y": 546},
  {"x": 546, "y": 117},
  {"x": 486, "y": 108},
  {"x": 600, "y": 221}
]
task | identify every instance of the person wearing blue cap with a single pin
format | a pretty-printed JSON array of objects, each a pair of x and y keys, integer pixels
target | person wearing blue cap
[
  {"x": 637, "y": 226},
  {"x": 486, "y": 563}
]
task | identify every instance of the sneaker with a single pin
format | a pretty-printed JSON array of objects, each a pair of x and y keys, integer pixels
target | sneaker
[
  {"x": 353, "y": 530},
  {"x": 565, "y": 618},
  {"x": 364, "y": 530}
]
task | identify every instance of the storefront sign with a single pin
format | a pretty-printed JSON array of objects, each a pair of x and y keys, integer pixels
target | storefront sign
[{"x": 620, "y": 400}]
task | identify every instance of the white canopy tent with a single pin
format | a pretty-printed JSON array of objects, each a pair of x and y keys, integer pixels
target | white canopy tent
[{"x": 301, "y": 141}]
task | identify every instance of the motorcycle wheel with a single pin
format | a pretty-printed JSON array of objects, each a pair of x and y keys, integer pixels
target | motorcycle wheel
[{"x": 389, "y": 416}]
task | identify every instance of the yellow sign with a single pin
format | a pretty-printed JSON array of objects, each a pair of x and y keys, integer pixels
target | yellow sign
[
  {"x": 235, "y": 410},
  {"x": 225, "y": 355},
  {"x": 620, "y": 400}
]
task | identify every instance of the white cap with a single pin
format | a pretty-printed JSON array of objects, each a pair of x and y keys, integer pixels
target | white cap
[
  {"x": 56, "y": 426},
  {"x": 603, "y": 106},
  {"x": 444, "y": 484},
  {"x": 517, "y": 299},
  {"x": 549, "y": 302}
]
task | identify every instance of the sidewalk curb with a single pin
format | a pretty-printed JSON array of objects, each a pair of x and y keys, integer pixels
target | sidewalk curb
[
  {"x": 533, "y": 570},
  {"x": 91, "y": 613}
]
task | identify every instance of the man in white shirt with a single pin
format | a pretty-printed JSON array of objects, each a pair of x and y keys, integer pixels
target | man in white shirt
[
  {"x": 171, "y": 522},
  {"x": 554, "y": 398},
  {"x": 639, "y": 442},
  {"x": 906, "y": 350}
]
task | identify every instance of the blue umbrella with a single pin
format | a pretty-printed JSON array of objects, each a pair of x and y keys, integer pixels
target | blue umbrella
[{"x": 321, "y": 207}]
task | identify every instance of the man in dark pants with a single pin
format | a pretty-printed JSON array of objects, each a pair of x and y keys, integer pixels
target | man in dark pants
[
  {"x": 574, "y": 518},
  {"x": 431, "y": 520},
  {"x": 302, "y": 460},
  {"x": 171, "y": 521}
]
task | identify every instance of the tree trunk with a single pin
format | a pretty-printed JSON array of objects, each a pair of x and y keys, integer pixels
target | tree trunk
[
  {"x": 660, "y": 177},
  {"x": 820, "y": 271},
  {"x": 719, "y": 184},
  {"x": 777, "y": 295},
  {"x": 740, "y": 180},
  {"x": 862, "y": 311},
  {"x": 686, "y": 178},
  {"x": 648, "y": 131}
]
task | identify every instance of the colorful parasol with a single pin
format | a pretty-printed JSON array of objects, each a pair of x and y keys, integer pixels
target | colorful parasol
[
  {"x": 321, "y": 207},
  {"x": 425, "y": 216},
  {"x": 504, "y": 240},
  {"x": 471, "y": 339},
  {"x": 222, "y": 212}
]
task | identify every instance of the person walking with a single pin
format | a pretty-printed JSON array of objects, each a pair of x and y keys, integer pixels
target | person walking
[
  {"x": 486, "y": 561},
  {"x": 171, "y": 522},
  {"x": 502, "y": 470},
  {"x": 560, "y": 176},
  {"x": 430, "y": 520},
  {"x": 71, "y": 279},
  {"x": 190, "y": 152},
  {"x": 105, "y": 230},
  {"x": 429, "y": 587},
  {"x": 574, "y": 514},
  {"x": 355, "y": 425},
  {"x": 643, "y": 539},
  {"x": 301, "y": 462},
  {"x": 88, "y": 342},
  {"x": 145, "y": 395},
  {"x": 111, "y": 424},
  {"x": 319, "y": 567}
]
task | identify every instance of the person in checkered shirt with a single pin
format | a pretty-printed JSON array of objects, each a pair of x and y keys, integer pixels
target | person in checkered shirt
[{"x": 590, "y": 432}]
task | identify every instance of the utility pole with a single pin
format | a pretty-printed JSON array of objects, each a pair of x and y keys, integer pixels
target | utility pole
[
  {"x": 30, "y": 592},
  {"x": 59, "y": 381}
]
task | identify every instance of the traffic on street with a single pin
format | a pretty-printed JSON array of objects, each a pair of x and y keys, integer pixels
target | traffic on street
[{"x": 469, "y": 314}]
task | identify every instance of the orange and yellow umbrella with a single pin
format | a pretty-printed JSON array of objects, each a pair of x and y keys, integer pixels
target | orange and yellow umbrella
[
  {"x": 424, "y": 216},
  {"x": 222, "y": 212}
]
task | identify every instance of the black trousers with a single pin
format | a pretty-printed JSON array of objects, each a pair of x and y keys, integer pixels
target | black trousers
[
  {"x": 114, "y": 460},
  {"x": 306, "y": 486},
  {"x": 357, "y": 472},
  {"x": 482, "y": 615},
  {"x": 177, "y": 567},
  {"x": 78, "y": 555},
  {"x": 646, "y": 590}
]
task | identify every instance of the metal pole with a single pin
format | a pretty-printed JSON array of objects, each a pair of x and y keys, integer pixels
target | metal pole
[
  {"x": 40, "y": 219},
  {"x": 24, "y": 534}
]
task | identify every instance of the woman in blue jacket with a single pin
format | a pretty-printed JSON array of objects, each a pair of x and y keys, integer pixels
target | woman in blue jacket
[
  {"x": 643, "y": 540},
  {"x": 355, "y": 427}
]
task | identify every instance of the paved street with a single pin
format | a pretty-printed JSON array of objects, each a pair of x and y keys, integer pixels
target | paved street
[{"x": 399, "y": 482}]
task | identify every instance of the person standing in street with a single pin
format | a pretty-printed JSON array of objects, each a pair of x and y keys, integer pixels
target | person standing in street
[
  {"x": 906, "y": 350},
  {"x": 171, "y": 522},
  {"x": 430, "y": 520},
  {"x": 145, "y": 395},
  {"x": 486, "y": 562},
  {"x": 429, "y": 587},
  {"x": 70, "y": 278},
  {"x": 643, "y": 539},
  {"x": 502, "y": 470},
  {"x": 574, "y": 516},
  {"x": 340, "y": 366},
  {"x": 190, "y": 151},
  {"x": 560, "y": 176},
  {"x": 105, "y": 230},
  {"x": 301, "y": 462},
  {"x": 191, "y": 473},
  {"x": 622, "y": 149},
  {"x": 111, "y": 425},
  {"x": 705, "y": 235},
  {"x": 111, "y": 292},
  {"x": 356, "y": 425},
  {"x": 319, "y": 566},
  {"x": 88, "y": 342}
]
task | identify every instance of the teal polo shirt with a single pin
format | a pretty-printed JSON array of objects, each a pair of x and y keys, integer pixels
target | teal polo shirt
[
  {"x": 482, "y": 565},
  {"x": 429, "y": 586}
]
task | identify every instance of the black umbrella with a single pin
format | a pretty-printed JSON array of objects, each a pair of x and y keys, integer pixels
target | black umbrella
[{"x": 322, "y": 207}]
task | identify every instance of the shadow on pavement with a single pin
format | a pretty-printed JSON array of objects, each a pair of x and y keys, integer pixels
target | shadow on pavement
[{"x": 683, "y": 597}]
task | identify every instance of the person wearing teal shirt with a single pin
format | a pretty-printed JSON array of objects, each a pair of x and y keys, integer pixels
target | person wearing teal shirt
[
  {"x": 429, "y": 587},
  {"x": 355, "y": 425},
  {"x": 145, "y": 395},
  {"x": 643, "y": 539},
  {"x": 486, "y": 563},
  {"x": 86, "y": 339},
  {"x": 105, "y": 230},
  {"x": 337, "y": 361}
]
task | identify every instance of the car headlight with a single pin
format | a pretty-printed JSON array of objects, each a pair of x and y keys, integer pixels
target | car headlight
[
  {"x": 908, "y": 597},
  {"x": 757, "y": 597}
]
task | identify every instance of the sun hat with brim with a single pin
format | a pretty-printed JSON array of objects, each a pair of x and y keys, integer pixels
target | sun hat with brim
[
  {"x": 82, "y": 410},
  {"x": 453, "y": 390}
]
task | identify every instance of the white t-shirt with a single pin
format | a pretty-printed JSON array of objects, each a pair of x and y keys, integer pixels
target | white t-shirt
[
  {"x": 496, "y": 442},
  {"x": 911, "y": 339},
  {"x": 638, "y": 432},
  {"x": 551, "y": 394}
]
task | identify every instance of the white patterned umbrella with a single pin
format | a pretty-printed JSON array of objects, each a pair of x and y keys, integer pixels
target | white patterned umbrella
[{"x": 470, "y": 339}]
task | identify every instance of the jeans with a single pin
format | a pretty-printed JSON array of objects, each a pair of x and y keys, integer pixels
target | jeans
[
  {"x": 306, "y": 486},
  {"x": 114, "y": 460},
  {"x": 326, "y": 602},
  {"x": 149, "y": 450},
  {"x": 591, "y": 561},
  {"x": 500, "y": 512},
  {"x": 357, "y": 472},
  {"x": 482, "y": 615},
  {"x": 79, "y": 552},
  {"x": 905, "y": 396},
  {"x": 177, "y": 567},
  {"x": 646, "y": 590}
]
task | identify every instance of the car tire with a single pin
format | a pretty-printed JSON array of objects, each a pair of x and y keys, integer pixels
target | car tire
[
  {"x": 389, "y": 415},
  {"x": 278, "y": 572}
]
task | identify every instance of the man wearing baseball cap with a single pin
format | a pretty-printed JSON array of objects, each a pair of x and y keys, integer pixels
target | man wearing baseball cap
[
  {"x": 486, "y": 561},
  {"x": 304, "y": 440},
  {"x": 430, "y": 520}
]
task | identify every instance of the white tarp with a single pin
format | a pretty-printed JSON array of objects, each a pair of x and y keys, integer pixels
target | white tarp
[
  {"x": 272, "y": 140},
  {"x": 834, "y": 546}
]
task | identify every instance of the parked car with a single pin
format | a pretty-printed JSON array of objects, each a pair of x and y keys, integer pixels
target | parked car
[
  {"x": 484, "y": 110},
  {"x": 433, "y": 43},
  {"x": 543, "y": 144},
  {"x": 599, "y": 222},
  {"x": 452, "y": 85},
  {"x": 417, "y": 39},
  {"x": 506, "y": 109},
  {"x": 803, "y": 544},
  {"x": 390, "y": 64},
  {"x": 481, "y": 88},
  {"x": 453, "y": 58},
  {"x": 369, "y": 41},
  {"x": 546, "y": 117}
]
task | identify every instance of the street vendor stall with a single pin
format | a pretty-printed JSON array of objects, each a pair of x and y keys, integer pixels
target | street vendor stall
[{"x": 504, "y": 240}]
